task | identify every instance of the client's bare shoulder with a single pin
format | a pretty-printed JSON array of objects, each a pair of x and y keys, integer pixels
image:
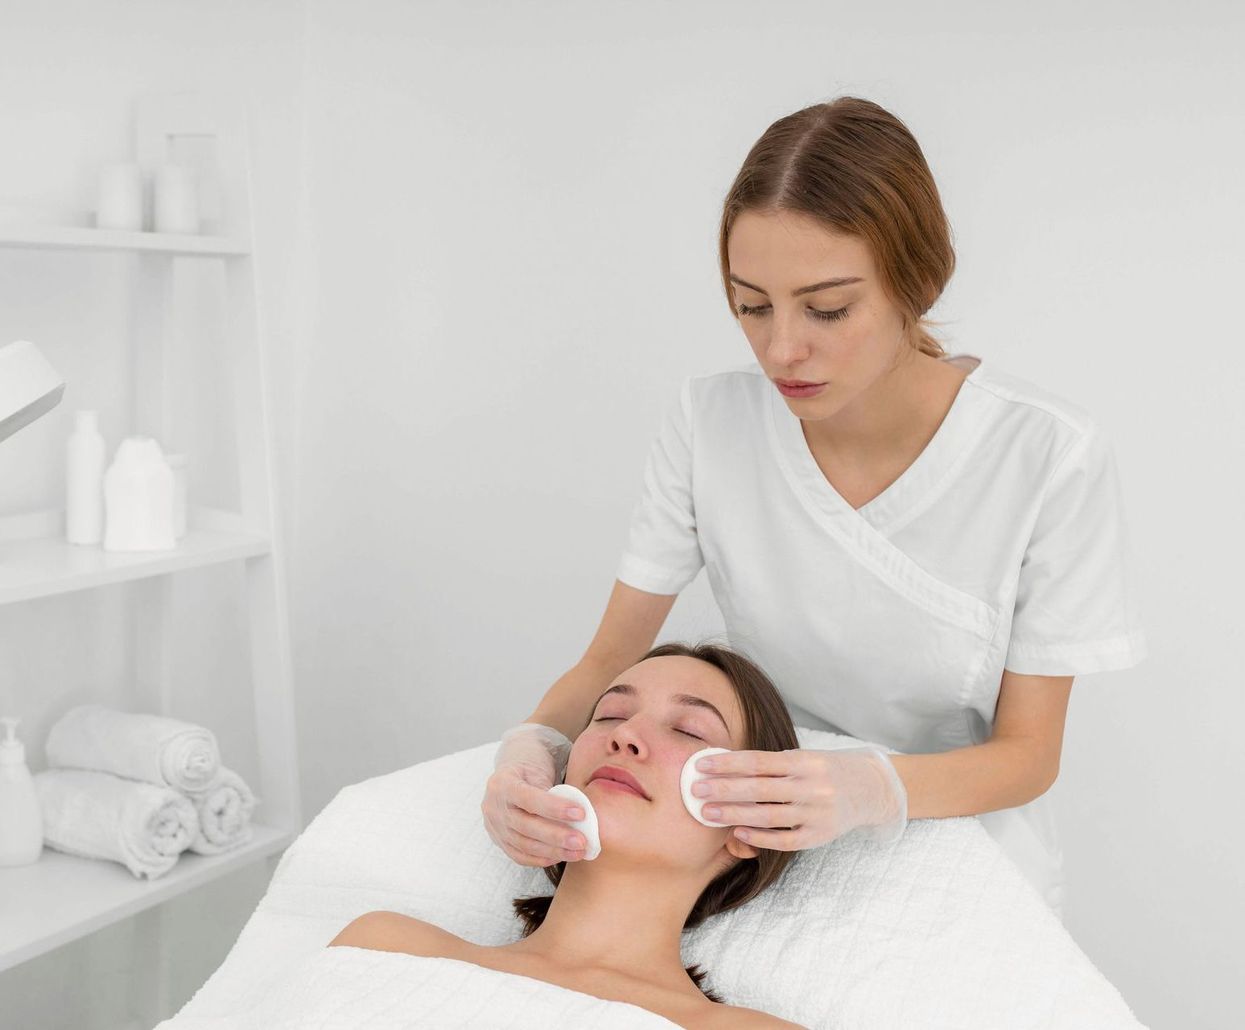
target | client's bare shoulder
[
  {"x": 736, "y": 1017},
  {"x": 705, "y": 1014},
  {"x": 392, "y": 931}
]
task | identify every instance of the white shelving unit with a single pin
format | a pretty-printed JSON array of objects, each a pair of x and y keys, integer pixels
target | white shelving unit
[
  {"x": 61, "y": 897},
  {"x": 72, "y": 237}
]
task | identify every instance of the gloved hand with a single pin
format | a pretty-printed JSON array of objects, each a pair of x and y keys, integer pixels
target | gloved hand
[
  {"x": 821, "y": 795},
  {"x": 520, "y": 815}
]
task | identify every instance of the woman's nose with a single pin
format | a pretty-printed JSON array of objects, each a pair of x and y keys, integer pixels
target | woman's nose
[
  {"x": 628, "y": 734},
  {"x": 786, "y": 349}
]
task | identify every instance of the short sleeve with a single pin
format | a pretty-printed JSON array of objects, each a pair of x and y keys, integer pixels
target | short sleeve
[
  {"x": 1076, "y": 611},
  {"x": 662, "y": 554}
]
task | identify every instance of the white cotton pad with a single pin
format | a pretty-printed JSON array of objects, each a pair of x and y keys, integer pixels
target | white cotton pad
[
  {"x": 588, "y": 824},
  {"x": 690, "y": 775}
]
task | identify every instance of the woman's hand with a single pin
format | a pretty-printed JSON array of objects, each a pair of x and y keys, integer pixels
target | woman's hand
[
  {"x": 520, "y": 814},
  {"x": 822, "y": 794}
]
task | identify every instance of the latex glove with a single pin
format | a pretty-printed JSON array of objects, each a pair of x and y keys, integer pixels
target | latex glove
[
  {"x": 520, "y": 815},
  {"x": 821, "y": 795}
]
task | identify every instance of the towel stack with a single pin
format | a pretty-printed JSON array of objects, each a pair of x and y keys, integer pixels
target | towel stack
[{"x": 139, "y": 789}]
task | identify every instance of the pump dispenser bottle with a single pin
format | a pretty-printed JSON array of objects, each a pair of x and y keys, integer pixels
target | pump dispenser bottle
[{"x": 21, "y": 819}]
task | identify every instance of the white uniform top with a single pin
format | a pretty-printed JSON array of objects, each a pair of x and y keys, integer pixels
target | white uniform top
[{"x": 1003, "y": 545}]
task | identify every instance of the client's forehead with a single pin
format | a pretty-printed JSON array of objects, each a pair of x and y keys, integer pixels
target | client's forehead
[{"x": 684, "y": 680}]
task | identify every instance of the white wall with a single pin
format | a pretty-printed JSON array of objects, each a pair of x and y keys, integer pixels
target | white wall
[
  {"x": 530, "y": 202},
  {"x": 527, "y": 196}
]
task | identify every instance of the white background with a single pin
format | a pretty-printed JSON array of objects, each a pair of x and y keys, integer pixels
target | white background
[{"x": 486, "y": 234}]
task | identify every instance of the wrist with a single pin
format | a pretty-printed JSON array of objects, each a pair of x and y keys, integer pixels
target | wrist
[
  {"x": 889, "y": 819},
  {"x": 554, "y": 741}
]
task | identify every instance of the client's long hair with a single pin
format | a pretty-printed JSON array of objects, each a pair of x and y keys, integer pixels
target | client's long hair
[{"x": 767, "y": 727}]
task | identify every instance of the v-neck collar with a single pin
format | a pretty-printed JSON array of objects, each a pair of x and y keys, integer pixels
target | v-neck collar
[{"x": 904, "y": 499}]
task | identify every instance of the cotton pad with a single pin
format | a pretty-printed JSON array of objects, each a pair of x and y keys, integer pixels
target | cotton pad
[
  {"x": 588, "y": 824},
  {"x": 689, "y": 776}
]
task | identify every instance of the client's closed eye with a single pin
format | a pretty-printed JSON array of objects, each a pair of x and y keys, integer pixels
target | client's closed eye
[{"x": 607, "y": 718}]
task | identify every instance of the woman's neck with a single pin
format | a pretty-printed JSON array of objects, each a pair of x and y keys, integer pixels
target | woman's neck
[
  {"x": 626, "y": 920},
  {"x": 899, "y": 407}
]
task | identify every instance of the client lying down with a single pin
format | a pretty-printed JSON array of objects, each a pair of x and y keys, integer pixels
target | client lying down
[{"x": 612, "y": 927}]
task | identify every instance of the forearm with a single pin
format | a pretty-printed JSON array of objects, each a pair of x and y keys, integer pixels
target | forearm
[
  {"x": 567, "y": 705},
  {"x": 1001, "y": 773}
]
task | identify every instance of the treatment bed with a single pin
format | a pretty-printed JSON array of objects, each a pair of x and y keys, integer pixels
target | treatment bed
[{"x": 939, "y": 930}]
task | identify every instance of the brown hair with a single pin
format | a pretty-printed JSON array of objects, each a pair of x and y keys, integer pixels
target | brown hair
[
  {"x": 767, "y": 727},
  {"x": 856, "y": 168}
]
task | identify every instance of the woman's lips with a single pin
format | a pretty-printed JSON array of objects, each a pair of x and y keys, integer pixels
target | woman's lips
[
  {"x": 621, "y": 775},
  {"x": 608, "y": 777},
  {"x": 615, "y": 785},
  {"x": 800, "y": 391}
]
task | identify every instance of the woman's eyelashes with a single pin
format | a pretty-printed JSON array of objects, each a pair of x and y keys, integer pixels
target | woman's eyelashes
[
  {"x": 607, "y": 718},
  {"x": 825, "y": 316}
]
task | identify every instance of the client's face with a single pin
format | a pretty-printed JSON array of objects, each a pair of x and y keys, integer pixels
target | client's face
[{"x": 653, "y": 717}]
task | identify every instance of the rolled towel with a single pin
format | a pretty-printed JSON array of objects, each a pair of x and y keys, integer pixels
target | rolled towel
[
  {"x": 99, "y": 815},
  {"x": 224, "y": 811},
  {"x": 135, "y": 745}
]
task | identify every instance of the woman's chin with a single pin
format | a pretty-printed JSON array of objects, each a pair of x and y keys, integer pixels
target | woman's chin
[{"x": 627, "y": 842}]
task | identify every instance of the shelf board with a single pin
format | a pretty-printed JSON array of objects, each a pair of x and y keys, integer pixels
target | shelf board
[
  {"x": 43, "y": 566},
  {"x": 63, "y": 897},
  {"x": 74, "y": 237}
]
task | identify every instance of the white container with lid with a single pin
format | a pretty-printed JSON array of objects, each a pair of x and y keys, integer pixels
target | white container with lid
[
  {"x": 21, "y": 818},
  {"x": 176, "y": 199},
  {"x": 119, "y": 201}
]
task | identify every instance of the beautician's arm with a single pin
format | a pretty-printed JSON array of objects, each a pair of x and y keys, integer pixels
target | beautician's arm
[
  {"x": 520, "y": 815},
  {"x": 1018, "y": 763},
  {"x": 628, "y": 628}
]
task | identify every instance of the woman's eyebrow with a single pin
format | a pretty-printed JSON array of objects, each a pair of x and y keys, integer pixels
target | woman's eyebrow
[
  {"x": 687, "y": 700},
  {"x": 842, "y": 280}
]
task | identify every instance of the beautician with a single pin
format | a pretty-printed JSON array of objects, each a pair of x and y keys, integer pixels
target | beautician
[{"x": 921, "y": 550}]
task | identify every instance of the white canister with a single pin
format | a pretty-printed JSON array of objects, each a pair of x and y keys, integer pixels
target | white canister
[
  {"x": 177, "y": 462},
  {"x": 176, "y": 199},
  {"x": 138, "y": 498},
  {"x": 84, "y": 481},
  {"x": 119, "y": 204}
]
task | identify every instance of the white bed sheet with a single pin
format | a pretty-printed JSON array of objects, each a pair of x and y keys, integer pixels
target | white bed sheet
[{"x": 345, "y": 988}]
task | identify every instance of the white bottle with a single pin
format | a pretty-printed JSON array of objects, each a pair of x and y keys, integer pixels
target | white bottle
[
  {"x": 138, "y": 498},
  {"x": 21, "y": 819},
  {"x": 84, "y": 485},
  {"x": 177, "y": 462}
]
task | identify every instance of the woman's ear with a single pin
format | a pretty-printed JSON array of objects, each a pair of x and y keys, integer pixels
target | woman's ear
[{"x": 739, "y": 848}]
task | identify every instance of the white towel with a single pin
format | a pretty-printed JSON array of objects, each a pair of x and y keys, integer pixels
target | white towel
[
  {"x": 135, "y": 745},
  {"x": 362, "y": 989},
  {"x": 98, "y": 815},
  {"x": 224, "y": 810}
]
